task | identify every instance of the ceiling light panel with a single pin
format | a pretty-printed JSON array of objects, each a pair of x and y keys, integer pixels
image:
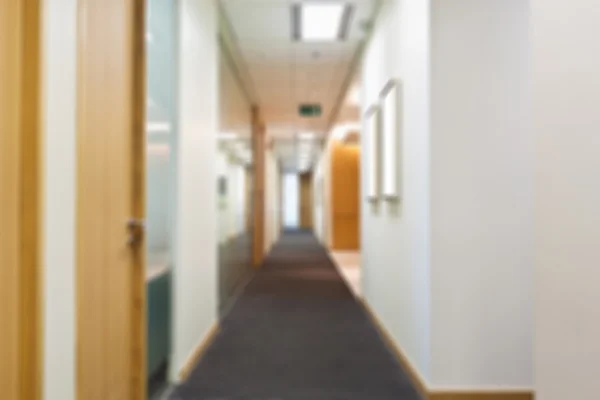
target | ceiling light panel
[
  {"x": 353, "y": 98},
  {"x": 306, "y": 135},
  {"x": 228, "y": 136},
  {"x": 321, "y": 22}
]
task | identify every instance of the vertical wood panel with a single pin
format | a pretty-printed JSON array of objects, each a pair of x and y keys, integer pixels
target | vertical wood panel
[
  {"x": 345, "y": 196},
  {"x": 110, "y": 295},
  {"x": 30, "y": 274},
  {"x": 10, "y": 136},
  {"x": 258, "y": 190},
  {"x": 138, "y": 203},
  {"x": 20, "y": 335},
  {"x": 248, "y": 198}
]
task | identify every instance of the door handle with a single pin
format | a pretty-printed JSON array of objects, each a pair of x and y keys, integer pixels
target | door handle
[{"x": 135, "y": 231}]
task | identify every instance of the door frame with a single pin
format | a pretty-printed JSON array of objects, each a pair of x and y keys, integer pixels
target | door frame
[
  {"x": 137, "y": 116},
  {"x": 23, "y": 166},
  {"x": 138, "y": 291}
]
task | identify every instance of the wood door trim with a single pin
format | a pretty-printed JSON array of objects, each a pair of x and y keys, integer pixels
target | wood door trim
[
  {"x": 31, "y": 332},
  {"x": 21, "y": 199},
  {"x": 138, "y": 157}
]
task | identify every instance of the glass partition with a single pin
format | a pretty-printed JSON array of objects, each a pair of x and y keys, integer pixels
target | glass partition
[
  {"x": 233, "y": 184},
  {"x": 161, "y": 130}
]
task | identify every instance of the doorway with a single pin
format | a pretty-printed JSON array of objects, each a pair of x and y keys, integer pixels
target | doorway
[{"x": 345, "y": 161}]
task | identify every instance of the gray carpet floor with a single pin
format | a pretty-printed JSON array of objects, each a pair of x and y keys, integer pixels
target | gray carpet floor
[{"x": 297, "y": 333}]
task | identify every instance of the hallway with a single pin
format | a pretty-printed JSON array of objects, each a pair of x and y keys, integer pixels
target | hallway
[{"x": 297, "y": 333}]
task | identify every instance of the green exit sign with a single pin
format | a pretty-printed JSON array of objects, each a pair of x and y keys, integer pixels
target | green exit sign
[{"x": 309, "y": 110}]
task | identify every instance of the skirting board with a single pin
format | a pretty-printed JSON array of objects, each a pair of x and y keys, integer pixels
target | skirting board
[
  {"x": 481, "y": 395},
  {"x": 198, "y": 352},
  {"x": 415, "y": 376},
  {"x": 419, "y": 382}
]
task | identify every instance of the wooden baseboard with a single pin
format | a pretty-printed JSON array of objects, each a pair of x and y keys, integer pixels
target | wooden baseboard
[
  {"x": 199, "y": 351},
  {"x": 481, "y": 395},
  {"x": 420, "y": 384},
  {"x": 407, "y": 366}
]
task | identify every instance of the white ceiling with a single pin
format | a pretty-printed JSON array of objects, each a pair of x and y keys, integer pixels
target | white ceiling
[{"x": 283, "y": 73}]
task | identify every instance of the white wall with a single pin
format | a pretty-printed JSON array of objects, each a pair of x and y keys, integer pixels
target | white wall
[
  {"x": 481, "y": 195},
  {"x": 318, "y": 198},
  {"x": 59, "y": 167},
  {"x": 322, "y": 195},
  {"x": 395, "y": 240},
  {"x": 194, "y": 285},
  {"x": 567, "y": 226},
  {"x": 449, "y": 268}
]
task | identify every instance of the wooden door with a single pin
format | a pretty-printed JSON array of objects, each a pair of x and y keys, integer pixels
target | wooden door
[
  {"x": 306, "y": 201},
  {"x": 345, "y": 196},
  {"x": 20, "y": 333},
  {"x": 110, "y": 265}
]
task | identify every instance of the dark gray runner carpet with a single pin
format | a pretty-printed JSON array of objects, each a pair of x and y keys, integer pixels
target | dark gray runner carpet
[{"x": 297, "y": 333}]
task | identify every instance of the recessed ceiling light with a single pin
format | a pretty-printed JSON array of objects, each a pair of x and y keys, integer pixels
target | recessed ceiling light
[
  {"x": 354, "y": 96},
  {"x": 306, "y": 135},
  {"x": 228, "y": 136},
  {"x": 321, "y": 21}
]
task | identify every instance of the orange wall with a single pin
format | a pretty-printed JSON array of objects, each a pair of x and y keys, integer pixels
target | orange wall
[{"x": 345, "y": 193}]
